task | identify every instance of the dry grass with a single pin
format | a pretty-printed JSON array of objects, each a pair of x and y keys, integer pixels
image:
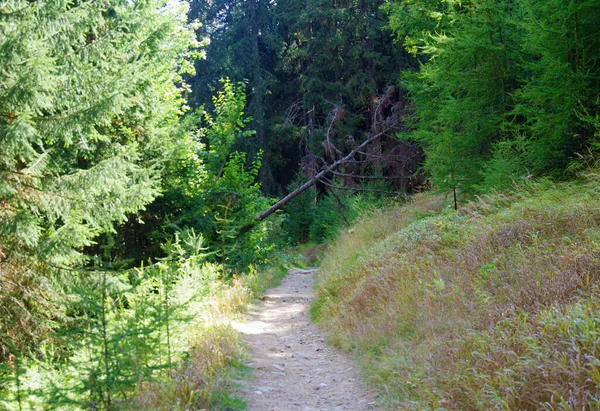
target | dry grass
[
  {"x": 427, "y": 298},
  {"x": 201, "y": 383},
  {"x": 204, "y": 380}
]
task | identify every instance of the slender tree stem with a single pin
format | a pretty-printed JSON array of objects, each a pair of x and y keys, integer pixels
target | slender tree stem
[
  {"x": 455, "y": 203},
  {"x": 166, "y": 287},
  {"x": 105, "y": 343},
  {"x": 18, "y": 381}
]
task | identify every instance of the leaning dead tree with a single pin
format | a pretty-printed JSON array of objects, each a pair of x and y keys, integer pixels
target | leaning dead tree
[
  {"x": 392, "y": 160},
  {"x": 312, "y": 181}
]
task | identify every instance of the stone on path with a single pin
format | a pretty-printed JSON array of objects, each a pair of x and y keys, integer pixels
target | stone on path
[{"x": 293, "y": 367}]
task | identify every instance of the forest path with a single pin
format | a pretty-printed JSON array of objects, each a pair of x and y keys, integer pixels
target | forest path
[{"x": 293, "y": 366}]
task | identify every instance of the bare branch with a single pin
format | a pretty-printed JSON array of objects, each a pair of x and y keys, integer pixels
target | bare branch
[
  {"x": 330, "y": 148},
  {"x": 293, "y": 113},
  {"x": 330, "y": 184},
  {"x": 278, "y": 205},
  {"x": 362, "y": 177}
]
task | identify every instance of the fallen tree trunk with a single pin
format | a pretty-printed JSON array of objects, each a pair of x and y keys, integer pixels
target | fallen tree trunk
[{"x": 310, "y": 183}]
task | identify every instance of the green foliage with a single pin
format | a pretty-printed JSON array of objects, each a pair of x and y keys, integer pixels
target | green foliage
[
  {"x": 123, "y": 328},
  {"x": 89, "y": 110},
  {"x": 310, "y": 217},
  {"x": 563, "y": 80},
  {"x": 338, "y": 52},
  {"x": 506, "y": 166},
  {"x": 213, "y": 188},
  {"x": 303, "y": 61},
  {"x": 99, "y": 170},
  {"x": 464, "y": 91},
  {"x": 231, "y": 195},
  {"x": 326, "y": 219},
  {"x": 244, "y": 42},
  {"x": 506, "y": 89},
  {"x": 79, "y": 147},
  {"x": 227, "y": 128},
  {"x": 89, "y": 120},
  {"x": 146, "y": 338},
  {"x": 299, "y": 218},
  {"x": 333, "y": 213}
]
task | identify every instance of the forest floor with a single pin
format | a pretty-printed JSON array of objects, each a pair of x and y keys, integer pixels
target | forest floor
[{"x": 293, "y": 367}]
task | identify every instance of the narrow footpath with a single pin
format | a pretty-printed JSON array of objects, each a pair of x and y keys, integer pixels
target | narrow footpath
[{"x": 293, "y": 367}]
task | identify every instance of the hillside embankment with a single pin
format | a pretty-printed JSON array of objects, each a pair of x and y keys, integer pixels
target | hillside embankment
[{"x": 492, "y": 307}]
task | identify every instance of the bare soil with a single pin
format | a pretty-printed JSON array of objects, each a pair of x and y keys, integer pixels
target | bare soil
[{"x": 293, "y": 367}]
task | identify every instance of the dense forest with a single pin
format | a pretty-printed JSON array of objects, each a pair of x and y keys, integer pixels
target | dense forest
[{"x": 140, "y": 141}]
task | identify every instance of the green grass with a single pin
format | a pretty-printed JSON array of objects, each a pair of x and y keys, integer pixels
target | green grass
[
  {"x": 228, "y": 402},
  {"x": 477, "y": 309}
]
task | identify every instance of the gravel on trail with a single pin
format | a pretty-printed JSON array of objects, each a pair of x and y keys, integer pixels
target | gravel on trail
[{"x": 293, "y": 367}]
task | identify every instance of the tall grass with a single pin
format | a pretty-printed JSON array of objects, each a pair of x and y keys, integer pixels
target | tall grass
[
  {"x": 491, "y": 307},
  {"x": 204, "y": 380}
]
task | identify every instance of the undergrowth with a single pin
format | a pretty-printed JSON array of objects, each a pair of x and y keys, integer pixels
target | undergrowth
[
  {"x": 490, "y": 307},
  {"x": 204, "y": 380},
  {"x": 164, "y": 343}
]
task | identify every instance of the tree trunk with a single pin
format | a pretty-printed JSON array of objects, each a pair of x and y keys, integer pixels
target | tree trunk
[
  {"x": 257, "y": 104},
  {"x": 278, "y": 205}
]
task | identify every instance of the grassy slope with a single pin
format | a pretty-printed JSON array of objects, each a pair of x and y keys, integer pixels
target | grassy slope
[{"x": 493, "y": 307}]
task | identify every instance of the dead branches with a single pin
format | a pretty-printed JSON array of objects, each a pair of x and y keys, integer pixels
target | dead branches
[{"x": 317, "y": 177}]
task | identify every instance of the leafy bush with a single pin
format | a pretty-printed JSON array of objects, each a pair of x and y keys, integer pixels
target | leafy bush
[{"x": 311, "y": 217}]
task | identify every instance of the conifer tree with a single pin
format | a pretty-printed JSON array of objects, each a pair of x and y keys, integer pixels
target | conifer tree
[
  {"x": 463, "y": 93},
  {"x": 89, "y": 108},
  {"x": 559, "y": 100},
  {"x": 506, "y": 89}
]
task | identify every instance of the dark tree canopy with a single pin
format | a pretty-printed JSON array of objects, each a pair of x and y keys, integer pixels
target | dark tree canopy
[{"x": 314, "y": 68}]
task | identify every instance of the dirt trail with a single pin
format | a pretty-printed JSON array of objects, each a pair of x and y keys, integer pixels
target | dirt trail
[{"x": 293, "y": 367}]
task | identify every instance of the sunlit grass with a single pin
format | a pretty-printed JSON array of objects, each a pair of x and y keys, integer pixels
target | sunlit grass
[
  {"x": 205, "y": 380},
  {"x": 460, "y": 310}
]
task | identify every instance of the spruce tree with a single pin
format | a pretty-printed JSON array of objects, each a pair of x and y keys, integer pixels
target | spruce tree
[{"x": 89, "y": 108}]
